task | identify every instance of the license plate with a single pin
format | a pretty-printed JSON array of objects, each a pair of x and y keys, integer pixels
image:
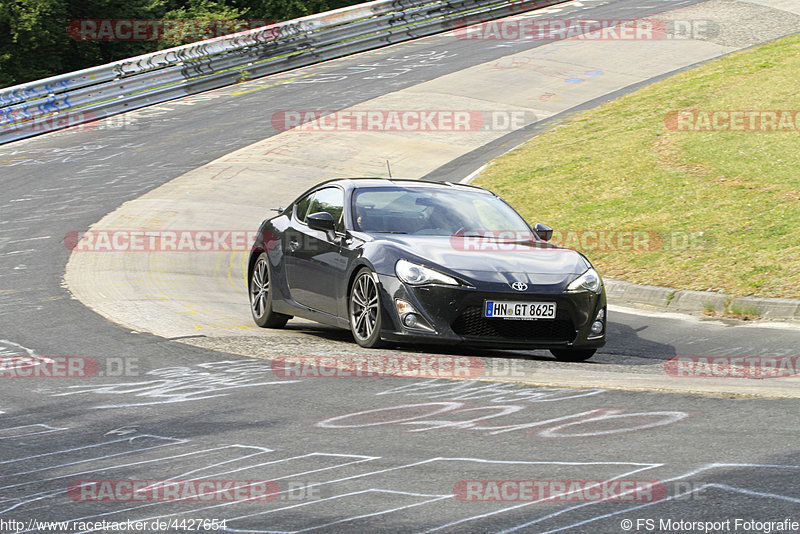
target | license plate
[{"x": 526, "y": 311}]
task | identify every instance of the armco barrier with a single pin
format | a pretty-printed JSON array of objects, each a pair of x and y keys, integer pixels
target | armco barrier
[{"x": 90, "y": 94}]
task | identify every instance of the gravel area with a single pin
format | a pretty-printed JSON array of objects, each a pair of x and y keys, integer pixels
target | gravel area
[{"x": 731, "y": 23}]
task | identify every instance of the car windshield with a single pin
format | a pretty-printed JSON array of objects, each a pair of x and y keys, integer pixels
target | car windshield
[{"x": 433, "y": 211}]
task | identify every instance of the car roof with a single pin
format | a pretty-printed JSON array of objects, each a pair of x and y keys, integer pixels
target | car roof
[{"x": 377, "y": 182}]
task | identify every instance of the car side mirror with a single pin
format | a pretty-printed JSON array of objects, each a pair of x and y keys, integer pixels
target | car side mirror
[
  {"x": 543, "y": 232},
  {"x": 320, "y": 221}
]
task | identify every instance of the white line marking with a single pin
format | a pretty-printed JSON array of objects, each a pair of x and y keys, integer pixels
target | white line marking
[
  {"x": 433, "y": 498},
  {"x": 47, "y": 430}
]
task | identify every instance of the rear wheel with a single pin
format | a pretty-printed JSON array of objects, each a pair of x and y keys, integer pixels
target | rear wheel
[
  {"x": 572, "y": 355},
  {"x": 365, "y": 310},
  {"x": 261, "y": 296}
]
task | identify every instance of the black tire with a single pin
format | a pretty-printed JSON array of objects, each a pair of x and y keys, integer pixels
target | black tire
[
  {"x": 572, "y": 355},
  {"x": 364, "y": 310},
  {"x": 261, "y": 296}
]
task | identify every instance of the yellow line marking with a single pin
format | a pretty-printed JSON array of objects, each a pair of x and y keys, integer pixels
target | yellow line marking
[
  {"x": 227, "y": 327},
  {"x": 268, "y": 85}
]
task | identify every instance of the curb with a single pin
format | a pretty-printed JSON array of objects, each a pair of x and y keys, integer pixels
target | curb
[{"x": 685, "y": 300}]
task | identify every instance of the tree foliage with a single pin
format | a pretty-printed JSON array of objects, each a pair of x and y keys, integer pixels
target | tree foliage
[{"x": 36, "y": 41}]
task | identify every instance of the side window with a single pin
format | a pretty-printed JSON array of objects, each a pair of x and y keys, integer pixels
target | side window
[
  {"x": 301, "y": 208},
  {"x": 330, "y": 199}
]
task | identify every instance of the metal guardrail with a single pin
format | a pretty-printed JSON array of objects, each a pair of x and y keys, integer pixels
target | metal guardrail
[{"x": 83, "y": 96}]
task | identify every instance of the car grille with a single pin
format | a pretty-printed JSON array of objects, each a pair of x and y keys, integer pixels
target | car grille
[{"x": 472, "y": 323}]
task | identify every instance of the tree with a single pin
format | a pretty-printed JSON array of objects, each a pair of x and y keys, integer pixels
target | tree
[
  {"x": 31, "y": 40},
  {"x": 42, "y": 38}
]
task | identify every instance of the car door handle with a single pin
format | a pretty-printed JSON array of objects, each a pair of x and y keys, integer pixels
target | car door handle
[{"x": 294, "y": 244}]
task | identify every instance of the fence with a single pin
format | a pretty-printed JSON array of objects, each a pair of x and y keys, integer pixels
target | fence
[{"x": 90, "y": 94}]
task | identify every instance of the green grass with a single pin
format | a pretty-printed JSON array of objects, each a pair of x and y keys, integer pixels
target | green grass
[
  {"x": 744, "y": 311},
  {"x": 722, "y": 208}
]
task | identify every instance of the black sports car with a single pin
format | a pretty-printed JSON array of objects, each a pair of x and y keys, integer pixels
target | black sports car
[{"x": 429, "y": 262}]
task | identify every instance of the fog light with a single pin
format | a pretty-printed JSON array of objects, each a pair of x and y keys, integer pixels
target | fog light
[
  {"x": 410, "y": 317},
  {"x": 597, "y": 327},
  {"x": 410, "y": 320}
]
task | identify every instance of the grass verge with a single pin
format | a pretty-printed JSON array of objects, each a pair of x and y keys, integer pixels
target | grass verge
[{"x": 713, "y": 210}]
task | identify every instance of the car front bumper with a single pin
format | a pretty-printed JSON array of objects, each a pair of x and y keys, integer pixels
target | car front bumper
[{"x": 455, "y": 316}]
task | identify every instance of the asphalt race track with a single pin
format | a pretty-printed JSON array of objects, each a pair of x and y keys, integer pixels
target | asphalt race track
[{"x": 350, "y": 454}]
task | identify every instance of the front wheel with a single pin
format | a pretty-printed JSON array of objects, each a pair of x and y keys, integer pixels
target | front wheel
[
  {"x": 261, "y": 296},
  {"x": 572, "y": 355},
  {"x": 365, "y": 310}
]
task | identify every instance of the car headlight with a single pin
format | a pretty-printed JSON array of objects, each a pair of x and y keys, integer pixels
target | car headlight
[
  {"x": 588, "y": 281},
  {"x": 416, "y": 275}
]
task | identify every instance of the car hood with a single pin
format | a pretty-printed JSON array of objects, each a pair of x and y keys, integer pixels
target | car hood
[{"x": 494, "y": 261}]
